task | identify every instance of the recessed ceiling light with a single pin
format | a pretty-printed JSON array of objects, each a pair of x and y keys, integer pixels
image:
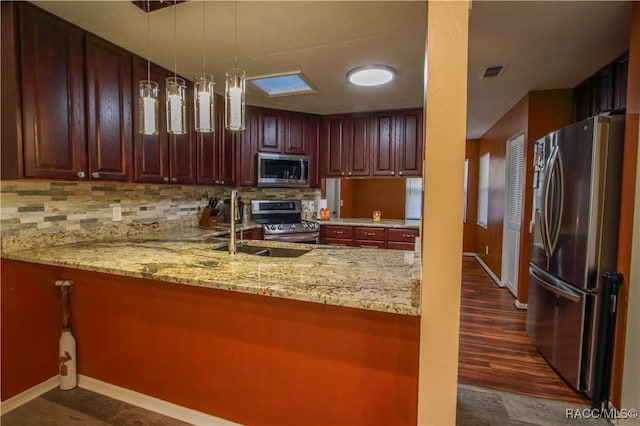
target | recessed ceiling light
[
  {"x": 292, "y": 83},
  {"x": 371, "y": 75}
]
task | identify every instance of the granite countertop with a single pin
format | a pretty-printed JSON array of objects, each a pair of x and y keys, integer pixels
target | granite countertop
[
  {"x": 386, "y": 223},
  {"x": 374, "y": 279}
]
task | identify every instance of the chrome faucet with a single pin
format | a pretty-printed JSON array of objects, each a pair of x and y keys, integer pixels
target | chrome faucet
[{"x": 233, "y": 213}]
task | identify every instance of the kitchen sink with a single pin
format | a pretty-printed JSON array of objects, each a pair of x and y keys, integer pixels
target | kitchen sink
[{"x": 267, "y": 251}]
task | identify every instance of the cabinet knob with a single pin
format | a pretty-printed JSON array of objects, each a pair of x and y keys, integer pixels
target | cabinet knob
[
  {"x": 81, "y": 175},
  {"x": 174, "y": 179},
  {"x": 165, "y": 179},
  {"x": 349, "y": 173},
  {"x": 400, "y": 173},
  {"x": 342, "y": 174},
  {"x": 393, "y": 173},
  {"x": 95, "y": 175},
  {"x": 407, "y": 236}
]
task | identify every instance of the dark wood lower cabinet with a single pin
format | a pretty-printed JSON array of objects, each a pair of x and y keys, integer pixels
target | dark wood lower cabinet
[{"x": 369, "y": 236}]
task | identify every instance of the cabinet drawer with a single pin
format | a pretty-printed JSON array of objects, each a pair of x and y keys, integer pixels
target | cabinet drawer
[
  {"x": 338, "y": 242},
  {"x": 402, "y": 234},
  {"x": 369, "y": 243},
  {"x": 376, "y": 234},
  {"x": 395, "y": 245},
  {"x": 343, "y": 232}
]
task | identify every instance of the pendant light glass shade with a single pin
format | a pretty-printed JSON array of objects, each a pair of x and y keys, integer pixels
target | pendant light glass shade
[
  {"x": 234, "y": 99},
  {"x": 176, "y": 106},
  {"x": 148, "y": 94},
  {"x": 203, "y": 102}
]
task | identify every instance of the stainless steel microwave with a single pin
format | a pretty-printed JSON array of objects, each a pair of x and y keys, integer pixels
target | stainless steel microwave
[{"x": 280, "y": 170}]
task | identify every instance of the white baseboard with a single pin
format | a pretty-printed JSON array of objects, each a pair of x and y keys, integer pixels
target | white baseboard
[
  {"x": 28, "y": 395},
  {"x": 150, "y": 403},
  {"x": 488, "y": 271},
  {"x": 520, "y": 305}
]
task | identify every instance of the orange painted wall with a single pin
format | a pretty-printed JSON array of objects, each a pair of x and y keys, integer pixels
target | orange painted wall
[
  {"x": 247, "y": 358},
  {"x": 362, "y": 196},
  {"x": 469, "y": 244},
  {"x": 494, "y": 141},
  {"x": 535, "y": 115},
  {"x": 629, "y": 194},
  {"x": 31, "y": 321}
]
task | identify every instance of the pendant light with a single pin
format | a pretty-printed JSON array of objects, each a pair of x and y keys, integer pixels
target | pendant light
[
  {"x": 203, "y": 84},
  {"x": 148, "y": 94},
  {"x": 234, "y": 104},
  {"x": 176, "y": 91}
]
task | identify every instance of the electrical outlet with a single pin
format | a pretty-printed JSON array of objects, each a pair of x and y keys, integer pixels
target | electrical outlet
[
  {"x": 486, "y": 249},
  {"x": 116, "y": 213}
]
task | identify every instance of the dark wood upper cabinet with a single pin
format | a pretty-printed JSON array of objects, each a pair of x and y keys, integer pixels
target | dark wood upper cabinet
[
  {"x": 246, "y": 148},
  {"x": 151, "y": 152},
  {"x": 271, "y": 130},
  {"x": 315, "y": 153},
  {"x": 387, "y": 143},
  {"x": 604, "y": 91},
  {"x": 215, "y": 154},
  {"x": 296, "y": 139},
  {"x": 335, "y": 134},
  {"x": 182, "y": 148},
  {"x": 163, "y": 158},
  {"x": 358, "y": 145},
  {"x": 109, "y": 110},
  {"x": 409, "y": 133},
  {"x": 384, "y": 144},
  {"x": 53, "y": 107},
  {"x": 620, "y": 84}
]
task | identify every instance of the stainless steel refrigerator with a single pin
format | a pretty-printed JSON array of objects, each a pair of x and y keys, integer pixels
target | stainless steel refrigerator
[{"x": 577, "y": 177}]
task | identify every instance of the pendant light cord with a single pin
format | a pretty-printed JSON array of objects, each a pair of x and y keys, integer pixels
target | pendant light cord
[
  {"x": 148, "y": 43},
  {"x": 175, "y": 40},
  {"x": 204, "y": 39},
  {"x": 235, "y": 26}
]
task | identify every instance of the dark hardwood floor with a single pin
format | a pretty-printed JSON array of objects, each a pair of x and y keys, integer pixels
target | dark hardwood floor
[{"x": 495, "y": 350}]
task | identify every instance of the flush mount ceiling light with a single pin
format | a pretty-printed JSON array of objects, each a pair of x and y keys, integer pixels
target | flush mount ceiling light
[
  {"x": 371, "y": 75},
  {"x": 291, "y": 83}
]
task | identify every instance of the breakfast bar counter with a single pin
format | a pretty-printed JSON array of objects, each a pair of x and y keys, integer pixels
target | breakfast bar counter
[
  {"x": 247, "y": 338},
  {"x": 373, "y": 279}
]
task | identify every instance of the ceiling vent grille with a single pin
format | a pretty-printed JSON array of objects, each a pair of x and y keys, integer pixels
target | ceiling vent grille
[{"x": 492, "y": 71}]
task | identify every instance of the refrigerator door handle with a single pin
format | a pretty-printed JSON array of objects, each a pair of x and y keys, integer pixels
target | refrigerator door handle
[
  {"x": 544, "y": 201},
  {"x": 554, "y": 286},
  {"x": 552, "y": 208}
]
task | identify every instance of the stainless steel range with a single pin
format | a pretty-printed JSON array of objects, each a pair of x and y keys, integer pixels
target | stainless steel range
[{"x": 282, "y": 221}]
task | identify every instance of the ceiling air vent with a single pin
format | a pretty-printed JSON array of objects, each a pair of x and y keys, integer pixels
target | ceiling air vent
[{"x": 492, "y": 71}]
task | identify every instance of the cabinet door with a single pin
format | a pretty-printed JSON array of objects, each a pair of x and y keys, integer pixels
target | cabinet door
[
  {"x": 410, "y": 141},
  {"x": 582, "y": 101},
  {"x": 335, "y": 144},
  {"x": 359, "y": 142},
  {"x": 384, "y": 144},
  {"x": 620, "y": 84},
  {"x": 207, "y": 167},
  {"x": 182, "y": 148},
  {"x": 151, "y": 152},
  {"x": 296, "y": 140},
  {"x": 315, "y": 157},
  {"x": 53, "y": 109},
  {"x": 109, "y": 124},
  {"x": 271, "y": 130},
  {"x": 602, "y": 90},
  {"x": 225, "y": 146},
  {"x": 246, "y": 147}
]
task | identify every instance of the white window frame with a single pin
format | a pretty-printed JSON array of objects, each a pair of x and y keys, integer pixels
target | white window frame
[{"x": 483, "y": 189}]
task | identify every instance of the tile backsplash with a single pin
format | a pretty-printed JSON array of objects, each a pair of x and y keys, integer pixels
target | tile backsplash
[{"x": 40, "y": 213}]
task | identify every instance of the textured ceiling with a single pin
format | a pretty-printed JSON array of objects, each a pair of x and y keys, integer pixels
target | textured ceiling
[{"x": 544, "y": 45}]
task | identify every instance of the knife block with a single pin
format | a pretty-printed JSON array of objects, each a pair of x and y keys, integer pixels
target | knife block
[{"x": 206, "y": 219}]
